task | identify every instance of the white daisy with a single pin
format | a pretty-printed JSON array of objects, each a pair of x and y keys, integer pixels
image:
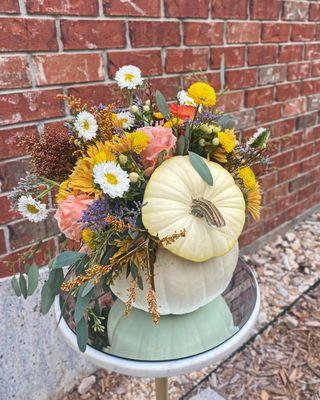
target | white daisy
[
  {"x": 128, "y": 77},
  {"x": 32, "y": 209},
  {"x": 86, "y": 125},
  {"x": 125, "y": 119},
  {"x": 184, "y": 99},
  {"x": 112, "y": 179}
]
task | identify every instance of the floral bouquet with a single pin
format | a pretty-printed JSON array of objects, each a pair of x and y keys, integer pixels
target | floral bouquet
[{"x": 155, "y": 196}]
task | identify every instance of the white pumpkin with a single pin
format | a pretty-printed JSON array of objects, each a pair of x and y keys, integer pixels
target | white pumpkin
[
  {"x": 182, "y": 286},
  {"x": 177, "y": 198}
]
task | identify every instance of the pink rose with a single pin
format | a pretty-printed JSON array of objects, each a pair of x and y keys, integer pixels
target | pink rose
[
  {"x": 69, "y": 213},
  {"x": 161, "y": 139}
]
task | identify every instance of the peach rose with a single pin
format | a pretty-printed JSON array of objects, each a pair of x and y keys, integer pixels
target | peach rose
[
  {"x": 161, "y": 139},
  {"x": 69, "y": 213}
]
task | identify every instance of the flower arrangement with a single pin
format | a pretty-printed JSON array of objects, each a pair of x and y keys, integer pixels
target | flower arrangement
[{"x": 117, "y": 175}]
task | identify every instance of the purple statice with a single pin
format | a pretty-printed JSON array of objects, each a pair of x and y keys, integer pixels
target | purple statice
[{"x": 207, "y": 117}]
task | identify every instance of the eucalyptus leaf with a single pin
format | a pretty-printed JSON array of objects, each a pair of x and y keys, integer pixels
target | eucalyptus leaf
[
  {"x": 109, "y": 253},
  {"x": 82, "y": 334},
  {"x": 162, "y": 104},
  {"x": 181, "y": 143},
  {"x": 201, "y": 167},
  {"x": 81, "y": 305},
  {"x": 226, "y": 122},
  {"x": 47, "y": 298},
  {"x": 140, "y": 282},
  {"x": 15, "y": 286},
  {"x": 87, "y": 288},
  {"x": 134, "y": 270},
  {"x": 33, "y": 279},
  {"x": 222, "y": 72},
  {"x": 66, "y": 258},
  {"x": 23, "y": 286}
]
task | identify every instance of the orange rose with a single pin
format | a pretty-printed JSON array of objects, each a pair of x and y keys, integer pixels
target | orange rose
[{"x": 183, "y": 112}]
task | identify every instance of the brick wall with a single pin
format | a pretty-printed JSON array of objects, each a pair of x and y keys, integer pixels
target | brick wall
[{"x": 272, "y": 56}]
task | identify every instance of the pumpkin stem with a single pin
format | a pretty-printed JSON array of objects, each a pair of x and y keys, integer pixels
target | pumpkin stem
[{"x": 203, "y": 208}]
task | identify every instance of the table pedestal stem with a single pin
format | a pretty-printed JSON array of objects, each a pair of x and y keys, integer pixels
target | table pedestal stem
[{"x": 161, "y": 388}]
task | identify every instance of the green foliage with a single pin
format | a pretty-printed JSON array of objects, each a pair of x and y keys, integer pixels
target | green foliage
[
  {"x": 67, "y": 258},
  {"x": 162, "y": 105},
  {"x": 15, "y": 286},
  {"x": 33, "y": 279},
  {"x": 81, "y": 304},
  {"x": 82, "y": 334},
  {"x": 50, "y": 289},
  {"x": 23, "y": 286},
  {"x": 181, "y": 144},
  {"x": 201, "y": 167}
]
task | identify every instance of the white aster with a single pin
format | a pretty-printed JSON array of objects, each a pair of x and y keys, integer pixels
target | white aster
[
  {"x": 33, "y": 210},
  {"x": 125, "y": 119},
  {"x": 256, "y": 135},
  {"x": 128, "y": 77},
  {"x": 86, "y": 125},
  {"x": 112, "y": 179},
  {"x": 184, "y": 99}
]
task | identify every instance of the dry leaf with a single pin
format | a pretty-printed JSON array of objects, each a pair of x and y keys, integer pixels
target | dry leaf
[
  {"x": 283, "y": 376},
  {"x": 264, "y": 395},
  {"x": 293, "y": 375}
]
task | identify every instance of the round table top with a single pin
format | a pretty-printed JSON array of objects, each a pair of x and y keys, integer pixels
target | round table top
[{"x": 227, "y": 322}]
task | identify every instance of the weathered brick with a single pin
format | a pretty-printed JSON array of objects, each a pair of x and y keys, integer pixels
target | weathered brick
[
  {"x": 312, "y": 51},
  {"x": 275, "y": 32},
  {"x": 260, "y": 10},
  {"x": 292, "y": 107},
  {"x": 9, "y": 6},
  {"x": 290, "y": 52},
  {"x": 92, "y": 34},
  {"x": 21, "y": 34},
  {"x": 303, "y": 151},
  {"x": 7, "y": 214},
  {"x": 99, "y": 94},
  {"x": 298, "y": 71},
  {"x": 310, "y": 163},
  {"x": 149, "y": 61},
  {"x": 259, "y": 55},
  {"x": 14, "y": 72},
  {"x": 154, "y": 33},
  {"x": 307, "y": 120},
  {"x": 314, "y": 102},
  {"x": 259, "y": 97},
  {"x": 241, "y": 79},
  {"x": 11, "y": 172},
  {"x": 3, "y": 247},
  {"x": 187, "y": 8},
  {"x": 231, "y": 101},
  {"x": 229, "y": 9},
  {"x": 243, "y": 32},
  {"x": 244, "y": 119},
  {"x": 202, "y": 33},
  {"x": 9, "y": 139},
  {"x": 169, "y": 87},
  {"x": 302, "y": 32},
  {"x": 136, "y": 8},
  {"x": 272, "y": 74},
  {"x": 79, "y": 7},
  {"x": 315, "y": 68},
  {"x": 314, "y": 12},
  {"x": 186, "y": 60},
  {"x": 268, "y": 113},
  {"x": 295, "y": 10},
  {"x": 233, "y": 56},
  {"x": 52, "y": 69},
  {"x": 310, "y": 87},
  {"x": 29, "y": 106},
  {"x": 287, "y": 91},
  {"x": 282, "y": 128}
]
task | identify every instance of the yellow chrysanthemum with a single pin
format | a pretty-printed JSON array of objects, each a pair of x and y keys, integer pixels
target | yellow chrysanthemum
[
  {"x": 134, "y": 141},
  {"x": 173, "y": 122},
  {"x": 81, "y": 178},
  {"x": 227, "y": 140},
  {"x": 254, "y": 201},
  {"x": 64, "y": 190},
  {"x": 247, "y": 176},
  {"x": 100, "y": 152},
  {"x": 203, "y": 94}
]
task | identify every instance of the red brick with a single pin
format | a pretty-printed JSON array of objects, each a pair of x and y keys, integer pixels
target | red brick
[
  {"x": 295, "y": 10},
  {"x": 259, "y": 97},
  {"x": 53, "y": 69},
  {"x": 261, "y": 10},
  {"x": 310, "y": 163},
  {"x": 202, "y": 33},
  {"x": 314, "y": 13},
  {"x": 149, "y": 61},
  {"x": 268, "y": 113},
  {"x": 21, "y": 34},
  {"x": 310, "y": 87},
  {"x": 281, "y": 190},
  {"x": 229, "y": 9},
  {"x": 136, "y": 8},
  {"x": 312, "y": 134},
  {"x": 304, "y": 151},
  {"x": 288, "y": 172},
  {"x": 29, "y": 106},
  {"x": 312, "y": 51},
  {"x": 269, "y": 180},
  {"x": 272, "y": 74},
  {"x": 290, "y": 52},
  {"x": 230, "y": 101},
  {"x": 291, "y": 140},
  {"x": 279, "y": 161},
  {"x": 275, "y": 32},
  {"x": 9, "y": 6},
  {"x": 244, "y": 119},
  {"x": 169, "y": 87},
  {"x": 287, "y": 91},
  {"x": 302, "y": 32},
  {"x": 186, "y": 60},
  {"x": 241, "y": 79},
  {"x": 249, "y": 235},
  {"x": 187, "y": 8},
  {"x": 243, "y": 32},
  {"x": 9, "y": 263},
  {"x": 233, "y": 56},
  {"x": 9, "y": 139},
  {"x": 259, "y": 55},
  {"x": 154, "y": 33},
  {"x": 7, "y": 214},
  {"x": 298, "y": 71},
  {"x": 282, "y": 128},
  {"x": 293, "y": 107},
  {"x": 92, "y": 34},
  {"x": 14, "y": 72},
  {"x": 99, "y": 94},
  {"x": 79, "y": 7},
  {"x": 315, "y": 68},
  {"x": 11, "y": 172}
]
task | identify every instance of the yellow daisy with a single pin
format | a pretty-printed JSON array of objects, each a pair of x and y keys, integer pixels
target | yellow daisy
[
  {"x": 134, "y": 141},
  {"x": 254, "y": 201},
  {"x": 202, "y": 94},
  {"x": 227, "y": 140},
  {"x": 247, "y": 176}
]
